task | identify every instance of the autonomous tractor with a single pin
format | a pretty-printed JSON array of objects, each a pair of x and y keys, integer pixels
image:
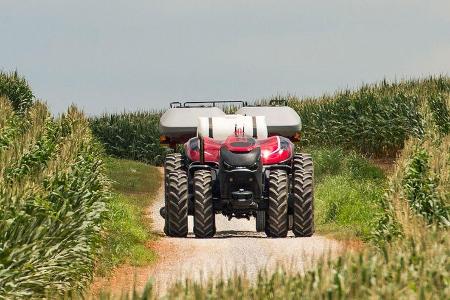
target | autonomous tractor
[{"x": 241, "y": 165}]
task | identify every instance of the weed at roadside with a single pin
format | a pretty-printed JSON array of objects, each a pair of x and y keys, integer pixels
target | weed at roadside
[{"x": 134, "y": 186}]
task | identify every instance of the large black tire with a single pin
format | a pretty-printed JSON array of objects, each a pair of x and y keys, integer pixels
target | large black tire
[
  {"x": 277, "y": 214},
  {"x": 176, "y": 212},
  {"x": 204, "y": 216},
  {"x": 303, "y": 196},
  {"x": 172, "y": 163}
]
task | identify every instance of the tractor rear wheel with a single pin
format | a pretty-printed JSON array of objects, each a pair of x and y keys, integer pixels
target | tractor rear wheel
[
  {"x": 204, "y": 216},
  {"x": 176, "y": 211},
  {"x": 277, "y": 215},
  {"x": 173, "y": 162},
  {"x": 303, "y": 196}
]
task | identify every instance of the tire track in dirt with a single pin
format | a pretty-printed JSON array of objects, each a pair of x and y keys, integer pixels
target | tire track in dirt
[{"x": 236, "y": 248}]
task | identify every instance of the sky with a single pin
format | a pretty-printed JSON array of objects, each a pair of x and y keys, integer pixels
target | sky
[{"x": 113, "y": 56}]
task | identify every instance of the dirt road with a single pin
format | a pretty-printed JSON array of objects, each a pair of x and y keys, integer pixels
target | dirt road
[{"x": 236, "y": 247}]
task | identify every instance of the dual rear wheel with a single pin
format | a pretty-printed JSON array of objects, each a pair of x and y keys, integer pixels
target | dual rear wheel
[
  {"x": 204, "y": 215},
  {"x": 176, "y": 201},
  {"x": 176, "y": 209},
  {"x": 277, "y": 223},
  {"x": 176, "y": 196},
  {"x": 301, "y": 191}
]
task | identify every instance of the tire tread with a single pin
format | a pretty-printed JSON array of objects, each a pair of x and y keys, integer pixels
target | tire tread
[
  {"x": 176, "y": 221},
  {"x": 277, "y": 213},
  {"x": 204, "y": 216},
  {"x": 303, "y": 195}
]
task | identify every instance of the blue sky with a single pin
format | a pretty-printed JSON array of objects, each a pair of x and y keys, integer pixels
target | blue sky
[{"x": 108, "y": 56}]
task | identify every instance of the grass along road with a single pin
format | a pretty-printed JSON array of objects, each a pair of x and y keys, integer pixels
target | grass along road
[{"x": 129, "y": 231}]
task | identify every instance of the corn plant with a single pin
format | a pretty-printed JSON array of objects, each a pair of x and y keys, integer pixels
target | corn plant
[
  {"x": 439, "y": 107},
  {"x": 53, "y": 196},
  {"x": 17, "y": 90},
  {"x": 9, "y": 123},
  {"x": 420, "y": 188}
]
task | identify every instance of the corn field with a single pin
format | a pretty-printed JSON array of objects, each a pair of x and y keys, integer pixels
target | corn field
[
  {"x": 375, "y": 120},
  {"x": 54, "y": 196},
  {"x": 53, "y": 200},
  {"x": 130, "y": 135}
]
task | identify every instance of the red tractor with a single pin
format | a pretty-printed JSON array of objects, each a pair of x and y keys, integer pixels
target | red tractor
[{"x": 242, "y": 165}]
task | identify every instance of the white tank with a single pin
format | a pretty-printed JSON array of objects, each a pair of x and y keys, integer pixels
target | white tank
[
  {"x": 180, "y": 123},
  {"x": 281, "y": 120},
  {"x": 219, "y": 128}
]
